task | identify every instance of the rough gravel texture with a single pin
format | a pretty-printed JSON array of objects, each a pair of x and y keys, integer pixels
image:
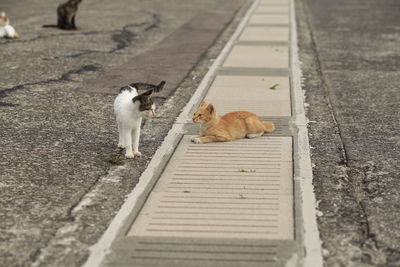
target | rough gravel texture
[{"x": 350, "y": 53}]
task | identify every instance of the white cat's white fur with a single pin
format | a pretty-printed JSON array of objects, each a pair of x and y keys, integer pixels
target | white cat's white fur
[
  {"x": 6, "y": 30},
  {"x": 129, "y": 119}
]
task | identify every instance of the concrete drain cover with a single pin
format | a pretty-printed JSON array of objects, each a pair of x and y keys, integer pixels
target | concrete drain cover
[
  {"x": 240, "y": 189},
  {"x": 174, "y": 252}
]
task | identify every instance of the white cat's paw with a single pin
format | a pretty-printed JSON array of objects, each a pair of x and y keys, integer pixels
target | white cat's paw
[
  {"x": 121, "y": 146},
  {"x": 129, "y": 155},
  {"x": 137, "y": 153},
  {"x": 196, "y": 140}
]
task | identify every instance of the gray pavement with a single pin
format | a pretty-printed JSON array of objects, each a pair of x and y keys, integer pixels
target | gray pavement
[
  {"x": 350, "y": 53},
  {"x": 58, "y": 190}
]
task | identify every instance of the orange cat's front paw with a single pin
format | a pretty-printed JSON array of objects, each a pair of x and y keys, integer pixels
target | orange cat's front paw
[{"x": 196, "y": 140}]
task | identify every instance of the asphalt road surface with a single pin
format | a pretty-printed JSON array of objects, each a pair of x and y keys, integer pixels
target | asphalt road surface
[
  {"x": 351, "y": 61},
  {"x": 58, "y": 189}
]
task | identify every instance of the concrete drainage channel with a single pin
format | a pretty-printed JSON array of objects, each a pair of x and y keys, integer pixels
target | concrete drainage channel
[{"x": 244, "y": 203}]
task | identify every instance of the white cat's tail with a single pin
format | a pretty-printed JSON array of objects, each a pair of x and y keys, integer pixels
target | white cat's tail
[
  {"x": 148, "y": 86},
  {"x": 268, "y": 126}
]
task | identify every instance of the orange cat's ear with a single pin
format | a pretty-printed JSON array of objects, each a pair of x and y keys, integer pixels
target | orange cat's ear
[
  {"x": 203, "y": 104},
  {"x": 210, "y": 108}
]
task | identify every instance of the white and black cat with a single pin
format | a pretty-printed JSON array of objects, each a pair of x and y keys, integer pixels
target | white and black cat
[{"x": 129, "y": 108}]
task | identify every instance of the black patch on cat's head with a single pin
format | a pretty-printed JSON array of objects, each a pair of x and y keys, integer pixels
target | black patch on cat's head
[
  {"x": 145, "y": 100},
  {"x": 126, "y": 88}
]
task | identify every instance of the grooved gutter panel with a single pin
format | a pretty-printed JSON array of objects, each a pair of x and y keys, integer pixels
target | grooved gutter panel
[
  {"x": 200, "y": 252},
  {"x": 240, "y": 189}
]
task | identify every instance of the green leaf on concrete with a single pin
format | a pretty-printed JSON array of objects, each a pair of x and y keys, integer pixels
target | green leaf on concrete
[
  {"x": 243, "y": 170},
  {"x": 275, "y": 86}
]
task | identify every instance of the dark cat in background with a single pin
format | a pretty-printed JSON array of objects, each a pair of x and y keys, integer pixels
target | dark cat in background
[{"x": 66, "y": 14}]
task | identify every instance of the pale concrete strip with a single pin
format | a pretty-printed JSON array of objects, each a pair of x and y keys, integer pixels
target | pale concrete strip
[
  {"x": 273, "y": 2},
  {"x": 258, "y": 57},
  {"x": 269, "y": 25},
  {"x": 262, "y": 43},
  {"x": 270, "y": 19},
  {"x": 251, "y": 93},
  {"x": 273, "y": 9},
  {"x": 307, "y": 229},
  {"x": 254, "y": 33},
  {"x": 248, "y": 71},
  {"x": 254, "y": 176}
]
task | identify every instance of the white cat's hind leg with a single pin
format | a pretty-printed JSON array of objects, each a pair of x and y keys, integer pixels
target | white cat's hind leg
[
  {"x": 127, "y": 140},
  {"x": 135, "y": 139},
  {"x": 120, "y": 138},
  {"x": 254, "y": 135}
]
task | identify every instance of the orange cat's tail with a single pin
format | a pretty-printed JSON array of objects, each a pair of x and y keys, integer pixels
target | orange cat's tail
[{"x": 268, "y": 126}]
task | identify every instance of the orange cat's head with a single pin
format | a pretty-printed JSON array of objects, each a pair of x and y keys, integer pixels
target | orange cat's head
[{"x": 205, "y": 113}]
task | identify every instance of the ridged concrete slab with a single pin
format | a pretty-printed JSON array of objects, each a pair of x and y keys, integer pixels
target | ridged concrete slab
[
  {"x": 263, "y": 43},
  {"x": 273, "y": 2},
  {"x": 239, "y": 189},
  {"x": 270, "y": 19},
  {"x": 251, "y": 93},
  {"x": 252, "y": 33},
  {"x": 258, "y": 57},
  {"x": 248, "y": 71},
  {"x": 272, "y": 9},
  {"x": 281, "y": 126},
  {"x": 199, "y": 252}
]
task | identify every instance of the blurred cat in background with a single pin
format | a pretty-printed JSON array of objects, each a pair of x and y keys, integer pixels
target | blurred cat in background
[{"x": 6, "y": 30}]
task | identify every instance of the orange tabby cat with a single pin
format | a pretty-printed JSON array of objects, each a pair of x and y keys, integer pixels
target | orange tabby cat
[{"x": 233, "y": 125}]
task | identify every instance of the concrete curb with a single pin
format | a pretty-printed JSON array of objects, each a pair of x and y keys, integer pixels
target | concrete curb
[{"x": 304, "y": 195}]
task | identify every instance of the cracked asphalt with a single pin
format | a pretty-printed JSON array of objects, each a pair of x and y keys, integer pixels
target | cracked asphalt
[
  {"x": 350, "y": 53},
  {"x": 58, "y": 190}
]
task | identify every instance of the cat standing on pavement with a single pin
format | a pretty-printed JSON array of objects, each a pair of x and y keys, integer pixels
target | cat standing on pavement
[
  {"x": 66, "y": 14},
  {"x": 233, "y": 125},
  {"x": 130, "y": 107},
  {"x": 6, "y": 30}
]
